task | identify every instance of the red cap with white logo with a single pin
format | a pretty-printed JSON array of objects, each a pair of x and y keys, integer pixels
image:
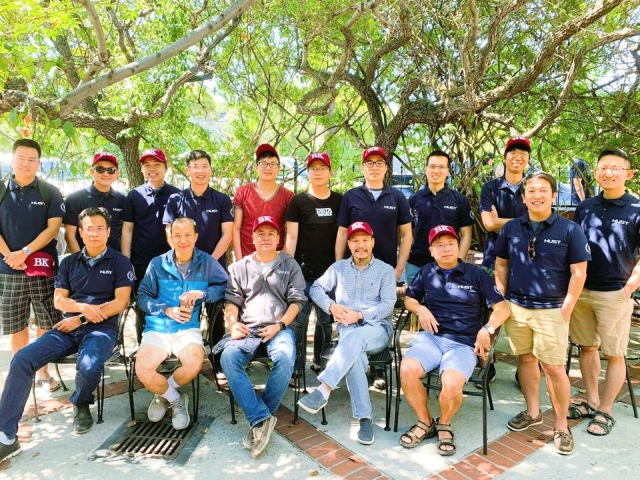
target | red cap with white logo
[
  {"x": 440, "y": 230},
  {"x": 319, "y": 157},
  {"x": 39, "y": 264},
  {"x": 356, "y": 227},
  {"x": 374, "y": 151},
  {"x": 266, "y": 220}
]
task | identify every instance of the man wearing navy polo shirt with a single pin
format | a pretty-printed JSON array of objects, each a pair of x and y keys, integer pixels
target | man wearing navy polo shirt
[
  {"x": 211, "y": 210},
  {"x": 602, "y": 316},
  {"x": 29, "y": 224},
  {"x": 381, "y": 206},
  {"x": 92, "y": 288},
  {"x": 541, "y": 264},
  {"x": 100, "y": 193},
  {"x": 448, "y": 296},
  {"x": 437, "y": 204}
]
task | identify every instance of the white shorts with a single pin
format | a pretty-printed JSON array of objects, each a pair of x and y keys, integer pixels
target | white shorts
[{"x": 173, "y": 343}]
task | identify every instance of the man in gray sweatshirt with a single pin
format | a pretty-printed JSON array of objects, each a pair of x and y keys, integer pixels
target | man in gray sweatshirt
[{"x": 264, "y": 294}]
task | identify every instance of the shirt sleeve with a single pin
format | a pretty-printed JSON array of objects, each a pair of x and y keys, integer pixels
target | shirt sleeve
[
  {"x": 129, "y": 210},
  {"x": 217, "y": 279},
  {"x": 502, "y": 243},
  {"x": 125, "y": 276},
  {"x": 415, "y": 290},
  {"x": 404, "y": 210},
  {"x": 293, "y": 211},
  {"x": 71, "y": 207},
  {"x": 240, "y": 197},
  {"x": 490, "y": 292},
  {"x": 171, "y": 210},
  {"x": 579, "y": 250},
  {"x": 56, "y": 207},
  {"x": 147, "y": 299},
  {"x": 62, "y": 275},
  {"x": 466, "y": 215},
  {"x": 487, "y": 199},
  {"x": 381, "y": 312},
  {"x": 226, "y": 210},
  {"x": 297, "y": 284},
  {"x": 324, "y": 284},
  {"x": 343, "y": 214},
  {"x": 234, "y": 292}
]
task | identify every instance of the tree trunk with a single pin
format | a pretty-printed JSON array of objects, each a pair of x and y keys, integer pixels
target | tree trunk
[{"x": 130, "y": 154}]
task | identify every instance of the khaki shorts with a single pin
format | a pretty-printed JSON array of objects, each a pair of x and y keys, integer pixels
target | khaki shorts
[
  {"x": 602, "y": 319},
  {"x": 173, "y": 343},
  {"x": 542, "y": 331}
]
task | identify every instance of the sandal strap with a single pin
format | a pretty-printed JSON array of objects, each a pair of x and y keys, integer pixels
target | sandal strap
[
  {"x": 423, "y": 426},
  {"x": 609, "y": 418}
]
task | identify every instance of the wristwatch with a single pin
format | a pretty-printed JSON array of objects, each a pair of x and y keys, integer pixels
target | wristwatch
[
  {"x": 490, "y": 329},
  {"x": 82, "y": 319},
  {"x": 282, "y": 325},
  {"x": 27, "y": 250}
]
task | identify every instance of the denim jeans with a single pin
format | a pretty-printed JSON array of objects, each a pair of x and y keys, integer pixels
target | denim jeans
[
  {"x": 94, "y": 344},
  {"x": 350, "y": 360},
  {"x": 410, "y": 272},
  {"x": 323, "y": 331},
  {"x": 281, "y": 349}
]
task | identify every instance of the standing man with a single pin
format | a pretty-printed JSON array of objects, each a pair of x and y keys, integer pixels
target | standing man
[
  {"x": 264, "y": 294},
  {"x": 437, "y": 204},
  {"x": 383, "y": 207},
  {"x": 602, "y": 316},
  {"x": 31, "y": 213},
  {"x": 541, "y": 264},
  {"x": 311, "y": 236},
  {"x": 449, "y": 297},
  {"x": 92, "y": 288},
  {"x": 100, "y": 193},
  {"x": 171, "y": 294},
  {"x": 143, "y": 235},
  {"x": 262, "y": 198},
  {"x": 365, "y": 293},
  {"x": 581, "y": 181},
  {"x": 211, "y": 210}
]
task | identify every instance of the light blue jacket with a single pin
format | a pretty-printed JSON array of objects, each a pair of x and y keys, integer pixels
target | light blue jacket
[{"x": 163, "y": 284}]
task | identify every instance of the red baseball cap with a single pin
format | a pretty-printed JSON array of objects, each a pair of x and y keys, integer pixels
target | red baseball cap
[
  {"x": 39, "y": 264},
  {"x": 266, "y": 220},
  {"x": 265, "y": 147},
  {"x": 374, "y": 151},
  {"x": 155, "y": 154},
  {"x": 440, "y": 230},
  {"x": 321, "y": 156},
  {"x": 356, "y": 227},
  {"x": 523, "y": 142},
  {"x": 105, "y": 157}
]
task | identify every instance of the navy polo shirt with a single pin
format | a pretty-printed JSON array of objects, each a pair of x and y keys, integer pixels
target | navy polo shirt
[
  {"x": 145, "y": 207},
  {"x": 113, "y": 201},
  {"x": 541, "y": 282},
  {"x": 94, "y": 285},
  {"x": 455, "y": 301},
  {"x": 612, "y": 227},
  {"x": 384, "y": 215},
  {"x": 24, "y": 216},
  {"x": 209, "y": 211},
  {"x": 446, "y": 207},
  {"x": 508, "y": 203}
]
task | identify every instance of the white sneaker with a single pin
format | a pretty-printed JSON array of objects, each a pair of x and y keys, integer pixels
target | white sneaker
[
  {"x": 247, "y": 441},
  {"x": 157, "y": 408},
  {"x": 180, "y": 412},
  {"x": 261, "y": 436}
]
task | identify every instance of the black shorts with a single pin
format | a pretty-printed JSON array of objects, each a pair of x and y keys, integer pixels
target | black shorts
[{"x": 17, "y": 293}]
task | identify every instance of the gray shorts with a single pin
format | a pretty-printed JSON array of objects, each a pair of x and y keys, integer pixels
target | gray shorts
[
  {"x": 432, "y": 351},
  {"x": 17, "y": 293}
]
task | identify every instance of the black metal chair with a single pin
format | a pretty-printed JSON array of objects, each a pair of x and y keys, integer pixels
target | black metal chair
[
  {"x": 480, "y": 376},
  {"x": 629, "y": 384},
  {"x": 172, "y": 362}
]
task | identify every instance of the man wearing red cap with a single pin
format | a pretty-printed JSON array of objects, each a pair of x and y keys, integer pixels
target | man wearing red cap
[
  {"x": 264, "y": 197},
  {"x": 264, "y": 294},
  {"x": 365, "y": 293},
  {"x": 311, "y": 236},
  {"x": 448, "y": 296},
  {"x": 29, "y": 223},
  {"x": 100, "y": 193}
]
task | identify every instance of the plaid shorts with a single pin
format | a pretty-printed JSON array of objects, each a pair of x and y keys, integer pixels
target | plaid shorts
[{"x": 17, "y": 293}]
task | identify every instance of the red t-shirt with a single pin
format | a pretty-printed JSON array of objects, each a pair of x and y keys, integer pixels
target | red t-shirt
[{"x": 253, "y": 206}]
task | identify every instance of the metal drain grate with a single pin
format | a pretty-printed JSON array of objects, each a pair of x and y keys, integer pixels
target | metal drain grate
[{"x": 154, "y": 440}]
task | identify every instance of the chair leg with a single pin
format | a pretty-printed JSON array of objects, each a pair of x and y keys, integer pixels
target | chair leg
[
  {"x": 388, "y": 389},
  {"x": 64, "y": 387},
  {"x": 233, "y": 408},
  {"x": 324, "y": 417},
  {"x": 486, "y": 396},
  {"x": 632, "y": 396},
  {"x": 100, "y": 395},
  {"x": 131, "y": 380},
  {"x": 35, "y": 402},
  {"x": 195, "y": 388}
]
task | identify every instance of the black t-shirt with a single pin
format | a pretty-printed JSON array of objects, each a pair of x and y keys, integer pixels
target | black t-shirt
[{"x": 317, "y": 230}]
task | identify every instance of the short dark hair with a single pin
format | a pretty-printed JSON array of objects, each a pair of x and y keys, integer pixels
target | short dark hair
[
  {"x": 545, "y": 176},
  {"x": 27, "y": 142},
  {"x": 267, "y": 154},
  {"x": 197, "y": 155},
  {"x": 440, "y": 153},
  {"x": 94, "y": 212},
  {"x": 618, "y": 152},
  {"x": 184, "y": 219}
]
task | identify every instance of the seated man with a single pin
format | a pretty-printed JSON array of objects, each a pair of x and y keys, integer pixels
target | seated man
[
  {"x": 264, "y": 294},
  {"x": 91, "y": 287},
  {"x": 365, "y": 293},
  {"x": 171, "y": 295},
  {"x": 454, "y": 293}
]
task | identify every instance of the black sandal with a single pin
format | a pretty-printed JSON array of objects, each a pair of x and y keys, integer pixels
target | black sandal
[
  {"x": 429, "y": 432},
  {"x": 445, "y": 442},
  {"x": 315, "y": 368},
  {"x": 606, "y": 425},
  {"x": 575, "y": 413}
]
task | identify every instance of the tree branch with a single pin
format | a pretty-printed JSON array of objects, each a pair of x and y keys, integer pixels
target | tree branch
[{"x": 103, "y": 54}]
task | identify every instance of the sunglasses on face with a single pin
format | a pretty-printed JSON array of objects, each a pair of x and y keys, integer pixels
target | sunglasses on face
[{"x": 110, "y": 170}]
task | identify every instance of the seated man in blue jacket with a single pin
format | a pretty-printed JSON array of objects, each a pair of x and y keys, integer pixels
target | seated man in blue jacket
[{"x": 171, "y": 294}]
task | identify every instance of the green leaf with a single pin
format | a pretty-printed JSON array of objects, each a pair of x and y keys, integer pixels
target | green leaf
[
  {"x": 14, "y": 118},
  {"x": 69, "y": 130}
]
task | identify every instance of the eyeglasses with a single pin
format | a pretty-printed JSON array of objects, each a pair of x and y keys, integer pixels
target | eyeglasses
[
  {"x": 442, "y": 168},
  {"x": 199, "y": 168},
  {"x": 613, "y": 169},
  {"x": 98, "y": 230},
  {"x": 517, "y": 153},
  {"x": 442, "y": 246},
  {"x": 531, "y": 248},
  {"x": 318, "y": 169},
  {"x": 371, "y": 163},
  {"x": 268, "y": 165},
  {"x": 110, "y": 170}
]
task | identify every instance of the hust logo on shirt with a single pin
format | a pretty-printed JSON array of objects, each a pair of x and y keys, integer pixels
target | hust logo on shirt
[
  {"x": 211, "y": 210},
  {"x": 38, "y": 203},
  {"x": 283, "y": 272},
  {"x": 389, "y": 207},
  {"x": 449, "y": 207},
  {"x": 106, "y": 272},
  {"x": 324, "y": 212},
  {"x": 466, "y": 287},
  {"x": 551, "y": 241},
  {"x": 116, "y": 209},
  {"x": 621, "y": 222}
]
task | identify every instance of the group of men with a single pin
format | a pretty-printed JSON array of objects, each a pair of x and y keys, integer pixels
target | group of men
[{"x": 290, "y": 247}]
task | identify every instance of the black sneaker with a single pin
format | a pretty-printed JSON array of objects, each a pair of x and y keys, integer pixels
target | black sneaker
[
  {"x": 491, "y": 376},
  {"x": 377, "y": 379},
  {"x": 82, "y": 419},
  {"x": 9, "y": 451}
]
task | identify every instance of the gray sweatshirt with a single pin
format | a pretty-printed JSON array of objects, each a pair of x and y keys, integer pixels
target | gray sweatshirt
[{"x": 264, "y": 299}]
